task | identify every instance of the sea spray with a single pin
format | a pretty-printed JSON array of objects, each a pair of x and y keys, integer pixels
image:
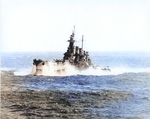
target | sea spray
[
  {"x": 51, "y": 70},
  {"x": 54, "y": 69}
]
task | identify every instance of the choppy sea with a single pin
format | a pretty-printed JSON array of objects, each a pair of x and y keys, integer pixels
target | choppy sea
[{"x": 130, "y": 71}]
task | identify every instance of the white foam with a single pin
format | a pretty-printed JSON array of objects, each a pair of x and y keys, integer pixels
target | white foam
[
  {"x": 6, "y": 69},
  {"x": 23, "y": 71},
  {"x": 50, "y": 70},
  {"x": 130, "y": 70},
  {"x": 113, "y": 71}
]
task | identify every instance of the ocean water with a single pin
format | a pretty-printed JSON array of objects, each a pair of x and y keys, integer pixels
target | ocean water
[{"x": 130, "y": 71}]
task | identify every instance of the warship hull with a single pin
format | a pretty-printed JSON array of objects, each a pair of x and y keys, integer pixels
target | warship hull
[
  {"x": 47, "y": 68},
  {"x": 74, "y": 58}
]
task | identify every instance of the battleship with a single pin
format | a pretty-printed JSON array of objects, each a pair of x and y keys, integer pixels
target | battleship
[{"x": 74, "y": 57}]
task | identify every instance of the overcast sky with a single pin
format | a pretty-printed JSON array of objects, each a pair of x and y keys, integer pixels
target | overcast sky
[{"x": 46, "y": 25}]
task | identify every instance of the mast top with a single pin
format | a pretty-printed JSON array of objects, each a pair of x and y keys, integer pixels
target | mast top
[
  {"x": 73, "y": 30},
  {"x": 72, "y": 36},
  {"x": 82, "y": 41}
]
